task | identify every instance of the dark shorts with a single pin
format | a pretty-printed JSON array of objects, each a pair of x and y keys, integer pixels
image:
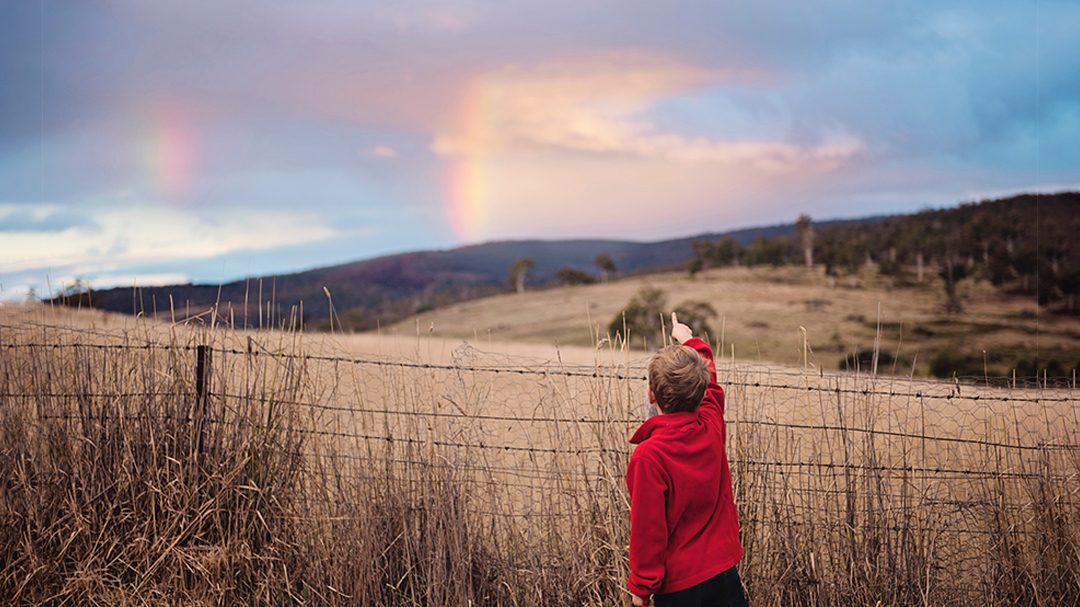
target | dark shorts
[{"x": 724, "y": 590}]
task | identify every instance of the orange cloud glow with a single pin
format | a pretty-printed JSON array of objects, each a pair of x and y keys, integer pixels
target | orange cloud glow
[{"x": 561, "y": 138}]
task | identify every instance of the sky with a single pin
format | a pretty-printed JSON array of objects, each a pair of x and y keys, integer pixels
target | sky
[{"x": 205, "y": 141}]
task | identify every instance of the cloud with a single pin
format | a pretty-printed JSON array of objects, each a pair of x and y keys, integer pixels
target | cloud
[
  {"x": 141, "y": 233},
  {"x": 605, "y": 145},
  {"x": 42, "y": 288},
  {"x": 383, "y": 151},
  {"x": 39, "y": 218},
  {"x": 438, "y": 19},
  {"x": 111, "y": 280},
  {"x": 633, "y": 197},
  {"x": 594, "y": 118},
  {"x": 600, "y": 106}
]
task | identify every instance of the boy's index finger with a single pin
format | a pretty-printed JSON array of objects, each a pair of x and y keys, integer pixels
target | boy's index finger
[{"x": 674, "y": 319}]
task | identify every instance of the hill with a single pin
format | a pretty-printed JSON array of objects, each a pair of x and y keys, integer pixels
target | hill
[
  {"x": 386, "y": 289},
  {"x": 761, "y": 313}
]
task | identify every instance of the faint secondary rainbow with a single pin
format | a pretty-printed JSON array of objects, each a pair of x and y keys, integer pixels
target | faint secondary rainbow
[
  {"x": 169, "y": 154},
  {"x": 467, "y": 194}
]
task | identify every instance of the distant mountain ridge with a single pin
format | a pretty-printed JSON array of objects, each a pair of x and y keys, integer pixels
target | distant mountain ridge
[{"x": 385, "y": 289}]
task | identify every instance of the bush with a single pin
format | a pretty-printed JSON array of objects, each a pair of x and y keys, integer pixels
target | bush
[
  {"x": 947, "y": 362},
  {"x": 570, "y": 276},
  {"x": 696, "y": 315},
  {"x": 1050, "y": 366},
  {"x": 864, "y": 361},
  {"x": 641, "y": 318},
  {"x": 647, "y": 316}
]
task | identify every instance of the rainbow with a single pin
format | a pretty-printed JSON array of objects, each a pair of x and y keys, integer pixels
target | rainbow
[
  {"x": 467, "y": 199},
  {"x": 169, "y": 154},
  {"x": 467, "y": 194}
]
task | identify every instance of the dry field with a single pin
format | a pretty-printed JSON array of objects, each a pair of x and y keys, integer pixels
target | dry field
[
  {"x": 761, "y": 311},
  {"x": 409, "y": 468}
]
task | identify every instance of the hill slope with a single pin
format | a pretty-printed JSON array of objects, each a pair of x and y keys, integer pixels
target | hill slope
[
  {"x": 761, "y": 313},
  {"x": 389, "y": 288}
]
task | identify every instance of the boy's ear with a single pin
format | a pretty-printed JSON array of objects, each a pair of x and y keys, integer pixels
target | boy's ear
[{"x": 652, "y": 401}]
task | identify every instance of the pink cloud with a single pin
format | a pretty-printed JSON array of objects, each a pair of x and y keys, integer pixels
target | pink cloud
[{"x": 598, "y": 106}]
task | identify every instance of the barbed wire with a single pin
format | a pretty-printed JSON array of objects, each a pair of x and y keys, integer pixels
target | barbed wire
[
  {"x": 936, "y": 471},
  {"x": 550, "y": 419},
  {"x": 599, "y": 372},
  {"x": 594, "y": 373}
]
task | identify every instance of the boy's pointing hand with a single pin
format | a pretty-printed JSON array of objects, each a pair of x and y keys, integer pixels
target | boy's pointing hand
[{"x": 679, "y": 332}]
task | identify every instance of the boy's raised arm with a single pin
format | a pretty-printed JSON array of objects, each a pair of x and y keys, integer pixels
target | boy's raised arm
[{"x": 714, "y": 395}]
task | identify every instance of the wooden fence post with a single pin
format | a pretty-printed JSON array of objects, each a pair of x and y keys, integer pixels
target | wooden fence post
[{"x": 202, "y": 389}]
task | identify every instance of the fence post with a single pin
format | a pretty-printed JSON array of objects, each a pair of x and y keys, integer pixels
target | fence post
[{"x": 202, "y": 389}]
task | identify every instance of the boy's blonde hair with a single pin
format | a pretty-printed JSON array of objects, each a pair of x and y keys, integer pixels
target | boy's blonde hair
[{"x": 678, "y": 377}]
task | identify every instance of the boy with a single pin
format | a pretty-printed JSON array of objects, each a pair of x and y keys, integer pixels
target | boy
[{"x": 684, "y": 532}]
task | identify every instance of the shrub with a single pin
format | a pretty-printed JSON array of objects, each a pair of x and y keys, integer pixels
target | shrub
[
  {"x": 864, "y": 361},
  {"x": 641, "y": 318},
  {"x": 570, "y": 276},
  {"x": 947, "y": 362},
  {"x": 647, "y": 316},
  {"x": 696, "y": 315}
]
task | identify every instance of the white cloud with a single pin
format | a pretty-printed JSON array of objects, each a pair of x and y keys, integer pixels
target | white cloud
[
  {"x": 141, "y": 233},
  {"x": 108, "y": 281},
  {"x": 57, "y": 284}
]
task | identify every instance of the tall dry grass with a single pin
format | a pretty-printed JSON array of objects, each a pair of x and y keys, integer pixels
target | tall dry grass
[{"x": 301, "y": 475}]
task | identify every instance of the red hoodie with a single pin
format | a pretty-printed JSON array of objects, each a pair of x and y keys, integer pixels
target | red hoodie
[{"x": 683, "y": 525}]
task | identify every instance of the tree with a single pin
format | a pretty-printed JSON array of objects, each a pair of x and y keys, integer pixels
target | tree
[
  {"x": 767, "y": 251},
  {"x": 953, "y": 267},
  {"x": 606, "y": 265},
  {"x": 829, "y": 249},
  {"x": 912, "y": 243},
  {"x": 694, "y": 266},
  {"x": 521, "y": 270},
  {"x": 727, "y": 252},
  {"x": 805, "y": 233},
  {"x": 715, "y": 254},
  {"x": 641, "y": 317},
  {"x": 1069, "y": 284},
  {"x": 75, "y": 295},
  {"x": 886, "y": 236}
]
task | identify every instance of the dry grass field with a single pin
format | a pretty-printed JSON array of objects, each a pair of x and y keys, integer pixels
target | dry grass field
[{"x": 412, "y": 468}]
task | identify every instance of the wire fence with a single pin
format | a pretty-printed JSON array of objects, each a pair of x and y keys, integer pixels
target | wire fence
[{"x": 829, "y": 468}]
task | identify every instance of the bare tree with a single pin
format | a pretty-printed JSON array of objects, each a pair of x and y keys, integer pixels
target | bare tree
[
  {"x": 804, "y": 229},
  {"x": 606, "y": 265},
  {"x": 521, "y": 270}
]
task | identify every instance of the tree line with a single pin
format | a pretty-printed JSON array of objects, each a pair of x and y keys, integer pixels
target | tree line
[
  {"x": 1024, "y": 245},
  {"x": 522, "y": 269}
]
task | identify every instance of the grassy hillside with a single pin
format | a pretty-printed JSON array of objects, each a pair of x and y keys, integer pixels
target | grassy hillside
[{"x": 760, "y": 312}]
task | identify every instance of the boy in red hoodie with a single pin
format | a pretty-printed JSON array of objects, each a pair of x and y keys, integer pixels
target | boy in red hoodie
[{"x": 684, "y": 532}]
